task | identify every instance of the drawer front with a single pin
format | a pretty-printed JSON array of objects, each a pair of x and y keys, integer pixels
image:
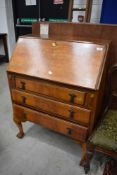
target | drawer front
[
  {"x": 57, "y": 92},
  {"x": 72, "y": 130},
  {"x": 53, "y": 107}
]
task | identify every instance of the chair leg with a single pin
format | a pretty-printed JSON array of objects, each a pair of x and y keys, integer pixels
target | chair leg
[{"x": 89, "y": 154}]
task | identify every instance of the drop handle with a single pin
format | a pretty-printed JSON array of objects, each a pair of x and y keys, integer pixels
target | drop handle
[
  {"x": 71, "y": 113},
  {"x": 23, "y": 85},
  {"x": 69, "y": 131},
  {"x": 72, "y": 98},
  {"x": 23, "y": 99}
]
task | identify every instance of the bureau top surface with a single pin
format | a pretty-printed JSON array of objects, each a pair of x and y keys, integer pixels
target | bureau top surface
[{"x": 74, "y": 63}]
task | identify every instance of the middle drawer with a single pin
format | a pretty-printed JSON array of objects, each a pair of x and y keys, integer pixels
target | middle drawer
[{"x": 59, "y": 109}]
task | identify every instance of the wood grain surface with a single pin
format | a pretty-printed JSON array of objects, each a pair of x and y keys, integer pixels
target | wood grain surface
[{"x": 75, "y": 63}]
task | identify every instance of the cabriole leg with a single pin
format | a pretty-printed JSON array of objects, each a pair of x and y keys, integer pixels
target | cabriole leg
[
  {"x": 83, "y": 159},
  {"x": 20, "y": 127}
]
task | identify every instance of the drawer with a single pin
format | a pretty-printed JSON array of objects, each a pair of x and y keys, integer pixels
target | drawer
[
  {"x": 59, "y": 109},
  {"x": 72, "y": 130},
  {"x": 54, "y": 91}
]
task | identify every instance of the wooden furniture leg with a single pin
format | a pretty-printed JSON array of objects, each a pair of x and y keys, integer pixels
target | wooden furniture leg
[
  {"x": 20, "y": 134},
  {"x": 89, "y": 152},
  {"x": 89, "y": 155},
  {"x": 83, "y": 159}
]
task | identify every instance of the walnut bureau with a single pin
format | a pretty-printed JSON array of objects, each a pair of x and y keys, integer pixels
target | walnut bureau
[{"x": 58, "y": 84}]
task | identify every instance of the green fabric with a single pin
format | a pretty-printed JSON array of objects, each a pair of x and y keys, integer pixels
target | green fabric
[
  {"x": 57, "y": 20},
  {"x": 106, "y": 134},
  {"x": 28, "y": 20}
]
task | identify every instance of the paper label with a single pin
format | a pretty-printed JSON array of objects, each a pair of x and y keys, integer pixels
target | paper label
[
  {"x": 58, "y": 1},
  {"x": 30, "y": 2},
  {"x": 44, "y": 29}
]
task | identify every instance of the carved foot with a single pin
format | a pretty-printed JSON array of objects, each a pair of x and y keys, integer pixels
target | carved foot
[{"x": 20, "y": 135}]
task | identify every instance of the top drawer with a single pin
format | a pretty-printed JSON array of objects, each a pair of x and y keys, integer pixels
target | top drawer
[{"x": 54, "y": 91}]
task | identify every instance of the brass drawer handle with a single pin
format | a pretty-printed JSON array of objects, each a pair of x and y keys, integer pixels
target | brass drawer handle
[
  {"x": 23, "y": 99},
  {"x": 71, "y": 113},
  {"x": 23, "y": 85},
  {"x": 69, "y": 131},
  {"x": 72, "y": 98}
]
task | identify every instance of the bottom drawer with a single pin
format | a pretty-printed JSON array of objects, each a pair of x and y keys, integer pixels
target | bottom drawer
[{"x": 72, "y": 130}]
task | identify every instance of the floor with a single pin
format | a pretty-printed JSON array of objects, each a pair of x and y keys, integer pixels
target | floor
[{"x": 41, "y": 151}]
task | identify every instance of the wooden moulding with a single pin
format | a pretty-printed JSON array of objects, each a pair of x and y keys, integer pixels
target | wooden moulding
[{"x": 85, "y": 31}]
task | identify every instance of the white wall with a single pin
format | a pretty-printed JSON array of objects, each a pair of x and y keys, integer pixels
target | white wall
[
  {"x": 3, "y": 22},
  {"x": 96, "y": 10},
  {"x": 3, "y": 19},
  {"x": 10, "y": 25},
  {"x": 6, "y": 25}
]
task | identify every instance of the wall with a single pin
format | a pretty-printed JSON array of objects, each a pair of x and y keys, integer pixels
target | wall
[
  {"x": 7, "y": 25},
  {"x": 3, "y": 22},
  {"x": 96, "y": 10},
  {"x": 10, "y": 26},
  {"x": 3, "y": 18}
]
